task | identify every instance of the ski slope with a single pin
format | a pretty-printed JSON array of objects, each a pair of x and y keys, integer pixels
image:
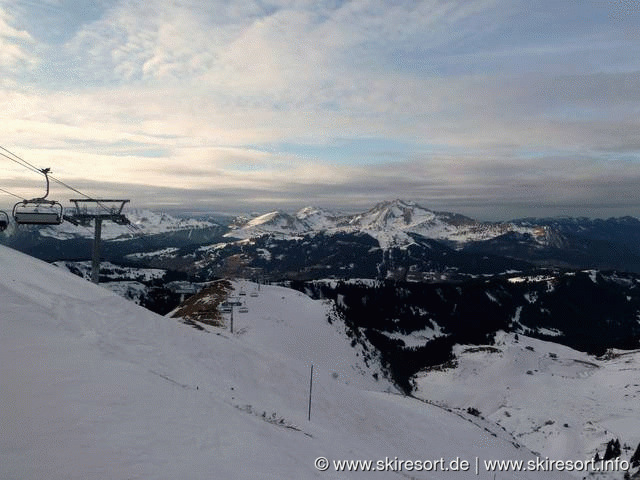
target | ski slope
[
  {"x": 93, "y": 386},
  {"x": 282, "y": 320},
  {"x": 555, "y": 400}
]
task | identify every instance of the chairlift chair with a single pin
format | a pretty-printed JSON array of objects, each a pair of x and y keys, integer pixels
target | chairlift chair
[
  {"x": 38, "y": 211},
  {"x": 4, "y": 221},
  {"x": 34, "y": 212}
]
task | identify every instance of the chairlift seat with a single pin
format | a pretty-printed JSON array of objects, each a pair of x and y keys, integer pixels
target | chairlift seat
[
  {"x": 38, "y": 212},
  {"x": 38, "y": 218}
]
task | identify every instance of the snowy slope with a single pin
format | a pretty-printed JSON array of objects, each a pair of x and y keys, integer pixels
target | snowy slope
[
  {"x": 289, "y": 322},
  {"x": 556, "y": 401},
  {"x": 92, "y": 386}
]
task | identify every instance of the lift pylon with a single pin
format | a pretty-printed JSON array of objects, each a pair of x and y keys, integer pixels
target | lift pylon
[{"x": 97, "y": 210}]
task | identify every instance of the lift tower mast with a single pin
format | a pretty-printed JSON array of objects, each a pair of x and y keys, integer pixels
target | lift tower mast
[{"x": 102, "y": 209}]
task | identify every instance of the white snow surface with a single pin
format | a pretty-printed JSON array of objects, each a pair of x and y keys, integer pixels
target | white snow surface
[
  {"x": 287, "y": 321},
  {"x": 93, "y": 386},
  {"x": 418, "y": 338},
  {"x": 557, "y": 401}
]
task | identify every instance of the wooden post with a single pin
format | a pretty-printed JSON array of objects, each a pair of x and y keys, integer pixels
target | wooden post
[{"x": 310, "y": 390}]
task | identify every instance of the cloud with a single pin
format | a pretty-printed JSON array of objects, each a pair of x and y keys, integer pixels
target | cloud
[
  {"x": 14, "y": 43},
  {"x": 480, "y": 102}
]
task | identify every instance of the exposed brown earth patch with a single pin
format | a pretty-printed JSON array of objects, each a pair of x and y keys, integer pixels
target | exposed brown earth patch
[{"x": 203, "y": 307}]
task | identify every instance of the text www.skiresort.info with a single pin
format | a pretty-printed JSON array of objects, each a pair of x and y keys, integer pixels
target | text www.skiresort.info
[{"x": 475, "y": 465}]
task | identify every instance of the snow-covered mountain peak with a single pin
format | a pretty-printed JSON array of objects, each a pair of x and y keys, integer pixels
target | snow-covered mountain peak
[
  {"x": 394, "y": 214},
  {"x": 318, "y": 219},
  {"x": 275, "y": 222},
  {"x": 311, "y": 212},
  {"x": 153, "y": 222},
  {"x": 268, "y": 218}
]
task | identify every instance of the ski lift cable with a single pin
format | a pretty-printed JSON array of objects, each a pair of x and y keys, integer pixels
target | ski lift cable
[
  {"x": 89, "y": 197},
  {"x": 27, "y": 166},
  {"x": 18, "y": 157},
  {"x": 132, "y": 228},
  {"x": 12, "y": 194},
  {"x": 22, "y": 162}
]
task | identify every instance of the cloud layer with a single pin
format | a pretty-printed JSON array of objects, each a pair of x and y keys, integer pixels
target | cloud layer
[{"x": 493, "y": 108}]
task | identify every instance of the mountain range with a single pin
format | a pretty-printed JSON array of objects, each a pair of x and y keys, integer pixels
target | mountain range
[
  {"x": 397, "y": 240},
  {"x": 391, "y": 223}
]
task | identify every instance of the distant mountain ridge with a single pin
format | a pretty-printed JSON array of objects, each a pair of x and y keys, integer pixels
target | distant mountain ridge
[
  {"x": 395, "y": 239},
  {"x": 391, "y": 223}
]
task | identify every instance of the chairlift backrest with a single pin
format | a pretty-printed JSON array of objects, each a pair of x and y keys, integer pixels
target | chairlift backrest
[{"x": 34, "y": 212}]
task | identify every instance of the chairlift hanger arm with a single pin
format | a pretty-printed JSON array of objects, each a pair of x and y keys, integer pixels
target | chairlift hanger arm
[{"x": 45, "y": 172}]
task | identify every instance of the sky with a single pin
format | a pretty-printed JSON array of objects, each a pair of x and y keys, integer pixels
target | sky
[{"x": 492, "y": 108}]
